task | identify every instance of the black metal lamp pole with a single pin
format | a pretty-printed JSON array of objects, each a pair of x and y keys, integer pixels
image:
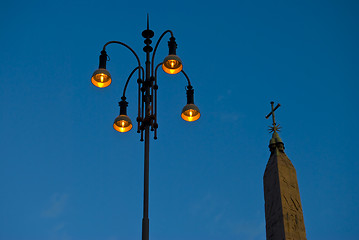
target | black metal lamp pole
[
  {"x": 147, "y": 100},
  {"x": 148, "y": 34}
]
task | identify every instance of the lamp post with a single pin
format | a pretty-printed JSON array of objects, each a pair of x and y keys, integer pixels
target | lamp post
[{"x": 147, "y": 99}]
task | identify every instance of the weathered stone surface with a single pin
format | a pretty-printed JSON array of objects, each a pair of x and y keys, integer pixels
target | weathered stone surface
[{"x": 283, "y": 209}]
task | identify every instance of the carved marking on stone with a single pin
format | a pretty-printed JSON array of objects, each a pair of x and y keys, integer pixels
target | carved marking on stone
[
  {"x": 299, "y": 205},
  {"x": 294, "y": 204}
]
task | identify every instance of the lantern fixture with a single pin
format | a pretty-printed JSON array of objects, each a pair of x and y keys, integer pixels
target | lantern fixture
[
  {"x": 122, "y": 123},
  {"x": 101, "y": 77},
  {"x": 172, "y": 64},
  {"x": 190, "y": 112}
]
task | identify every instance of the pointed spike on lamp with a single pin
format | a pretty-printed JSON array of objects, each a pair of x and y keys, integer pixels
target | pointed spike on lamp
[
  {"x": 190, "y": 112},
  {"x": 172, "y": 64},
  {"x": 101, "y": 77},
  {"x": 123, "y": 123}
]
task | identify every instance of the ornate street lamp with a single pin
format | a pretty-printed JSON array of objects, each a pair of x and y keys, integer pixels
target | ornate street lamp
[{"x": 147, "y": 99}]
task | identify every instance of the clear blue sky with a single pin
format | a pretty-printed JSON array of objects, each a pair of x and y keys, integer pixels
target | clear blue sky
[{"x": 65, "y": 174}]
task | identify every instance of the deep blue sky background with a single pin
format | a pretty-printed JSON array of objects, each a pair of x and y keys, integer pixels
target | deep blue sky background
[{"x": 65, "y": 174}]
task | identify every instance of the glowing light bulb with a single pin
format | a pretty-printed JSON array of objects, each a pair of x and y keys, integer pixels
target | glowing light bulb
[
  {"x": 172, "y": 64},
  {"x": 101, "y": 78},
  {"x": 190, "y": 113},
  {"x": 122, "y": 123}
]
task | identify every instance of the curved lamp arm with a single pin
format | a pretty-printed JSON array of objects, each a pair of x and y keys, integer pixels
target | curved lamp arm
[
  {"x": 189, "y": 82},
  {"x": 129, "y": 77},
  {"x": 123, "y": 44},
  {"x": 158, "y": 42},
  {"x": 184, "y": 73},
  {"x": 156, "y": 71}
]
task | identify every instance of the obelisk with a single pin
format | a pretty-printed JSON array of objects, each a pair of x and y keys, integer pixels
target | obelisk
[{"x": 283, "y": 208}]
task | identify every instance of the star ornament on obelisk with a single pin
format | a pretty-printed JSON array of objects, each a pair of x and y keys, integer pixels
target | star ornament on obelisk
[{"x": 283, "y": 208}]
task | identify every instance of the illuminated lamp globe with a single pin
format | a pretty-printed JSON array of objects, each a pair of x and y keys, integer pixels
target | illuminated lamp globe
[
  {"x": 101, "y": 78},
  {"x": 122, "y": 123},
  {"x": 190, "y": 113},
  {"x": 172, "y": 64}
]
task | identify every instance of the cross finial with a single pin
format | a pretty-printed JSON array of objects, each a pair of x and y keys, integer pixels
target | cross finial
[{"x": 275, "y": 127}]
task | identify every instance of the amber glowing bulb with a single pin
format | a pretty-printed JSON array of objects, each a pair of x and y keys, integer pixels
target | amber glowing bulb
[
  {"x": 122, "y": 123},
  {"x": 190, "y": 113},
  {"x": 101, "y": 78},
  {"x": 172, "y": 64}
]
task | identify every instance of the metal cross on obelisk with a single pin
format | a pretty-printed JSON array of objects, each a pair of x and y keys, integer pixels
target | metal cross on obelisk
[{"x": 275, "y": 127}]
